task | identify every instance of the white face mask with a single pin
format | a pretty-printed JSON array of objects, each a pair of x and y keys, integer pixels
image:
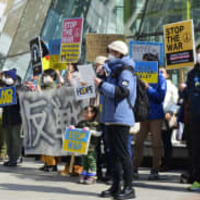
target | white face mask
[
  {"x": 47, "y": 80},
  {"x": 9, "y": 81},
  {"x": 198, "y": 58},
  {"x": 111, "y": 57},
  {"x": 4, "y": 79}
]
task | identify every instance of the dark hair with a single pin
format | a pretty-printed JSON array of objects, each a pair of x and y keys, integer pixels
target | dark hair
[
  {"x": 94, "y": 110},
  {"x": 50, "y": 72},
  {"x": 150, "y": 57},
  {"x": 197, "y": 47}
]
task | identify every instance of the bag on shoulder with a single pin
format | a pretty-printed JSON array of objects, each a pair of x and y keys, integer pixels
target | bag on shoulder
[{"x": 141, "y": 108}]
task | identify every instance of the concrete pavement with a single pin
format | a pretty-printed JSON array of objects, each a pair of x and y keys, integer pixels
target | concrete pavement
[{"x": 28, "y": 183}]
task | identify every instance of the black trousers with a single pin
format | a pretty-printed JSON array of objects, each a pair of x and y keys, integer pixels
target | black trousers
[
  {"x": 120, "y": 156},
  {"x": 195, "y": 139},
  {"x": 166, "y": 138}
]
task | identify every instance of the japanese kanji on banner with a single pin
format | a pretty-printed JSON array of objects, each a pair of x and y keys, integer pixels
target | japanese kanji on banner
[
  {"x": 71, "y": 40},
  {"x": 76, "y": 141}
]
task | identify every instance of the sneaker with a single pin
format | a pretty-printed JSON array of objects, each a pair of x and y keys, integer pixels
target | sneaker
[
  {"x": 195, "y": 186},
  {"x": 90, "y": 180},
  {"x": 154, "y": 175},
  {"x": 135, "y": 174},
  {"x": 82, "y": 179}
]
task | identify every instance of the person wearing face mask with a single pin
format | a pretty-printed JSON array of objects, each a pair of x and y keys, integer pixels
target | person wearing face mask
[
  {"x": 48, "y": 79},
  {"x": 119, "y": 92},
  {"x": 193, "y": 95},
  {"x": 12, "y": 123}
]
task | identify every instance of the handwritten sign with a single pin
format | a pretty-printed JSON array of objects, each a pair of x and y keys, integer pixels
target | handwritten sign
[
  {"x": 71, "y": 40},
  {"x": 138, "y": 49},
  {"x": 85, "y": 92},
  {"x": 8, "y": 96},
  {"x": 179, "y": 44},
  {"x": 147, "y": 71},
  {"x": 76, "y": 141}
]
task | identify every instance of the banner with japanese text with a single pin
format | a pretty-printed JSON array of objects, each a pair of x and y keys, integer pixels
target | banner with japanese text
[
  {"x": 45, "y": 116},
  {"x": 71, "y": 40},
  {"x": 179, "y": 44}
]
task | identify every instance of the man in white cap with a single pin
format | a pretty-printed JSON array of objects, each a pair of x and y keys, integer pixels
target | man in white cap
[{"x": 119, "y": 91}]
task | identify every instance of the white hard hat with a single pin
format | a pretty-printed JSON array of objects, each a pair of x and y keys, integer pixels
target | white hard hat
[
  {"x": 100, "y": 60},
  {"x": 119, "y": 46}
]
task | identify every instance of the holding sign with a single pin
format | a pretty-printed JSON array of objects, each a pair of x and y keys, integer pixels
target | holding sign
[
  {"x": 8, "y": 96},
  {"x": 147, "y": 71},
  {"x": 71, "y": 40},
  {"x": 179, "y": 44},
  {"x": 76, "y": 141}
]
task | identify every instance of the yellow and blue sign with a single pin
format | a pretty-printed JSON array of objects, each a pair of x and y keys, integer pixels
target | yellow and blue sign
[
  {"x": 147, "y": 71},
  {"x": 76, "y": 141},
  {"x": 8, "y": 96}
]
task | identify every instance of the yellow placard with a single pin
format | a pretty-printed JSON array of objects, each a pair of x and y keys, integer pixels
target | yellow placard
[
  {"x": 179, "y": 44},
  {"x": 148, "y": 77}
]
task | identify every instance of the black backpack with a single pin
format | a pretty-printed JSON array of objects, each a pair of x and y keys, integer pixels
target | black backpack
[{"x": 141, "y": 108}]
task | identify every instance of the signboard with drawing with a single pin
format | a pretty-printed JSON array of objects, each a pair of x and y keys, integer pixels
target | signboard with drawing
[
  {"x": 87, "y": 89},
  {"x": 8, "y": 96},
  {"x": 76, "y": 141},
  {"x": 71, "y": 40},
  {"x": 138, "y": 50},
  {"x": 36, "y": 56},
  {"x": 147, "y": 71},
  {"x": 96, "y": 44},
  {"x": 179, "y": 44}
]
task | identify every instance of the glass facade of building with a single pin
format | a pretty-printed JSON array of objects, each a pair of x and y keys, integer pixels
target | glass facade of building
[{"x": 137, "y": 19}]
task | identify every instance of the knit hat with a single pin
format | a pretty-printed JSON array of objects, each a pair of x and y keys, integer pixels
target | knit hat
[
  {"x": 12, "y": 73},
  {"x": 119, "y": 46},
  {"x": 100, "y": 60}
]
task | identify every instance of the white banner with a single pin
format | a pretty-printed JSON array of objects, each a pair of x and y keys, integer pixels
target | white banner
[{"x": 45, "y": 116}]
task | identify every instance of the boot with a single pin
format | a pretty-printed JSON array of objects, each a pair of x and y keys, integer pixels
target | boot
[
  {"x": 65, "y": 171},
  {"x": 127, "y": 193},
  {"x": 114, "y": 190}
]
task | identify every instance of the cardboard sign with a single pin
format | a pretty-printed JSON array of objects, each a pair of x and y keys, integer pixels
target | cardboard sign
[
  {"x": 96, "y": 44},
  {"x": 147, "y": 71},
  {"x": 36, "y": 56},
  {"x": 8, "y": 96},
  {"x": 71, "y": 40},
  {"x": 179, "y": 44},
  {"x": 85, "y": 92},
  {"x": 138, "y": 49},
  {"x": 76, "y": 141}
]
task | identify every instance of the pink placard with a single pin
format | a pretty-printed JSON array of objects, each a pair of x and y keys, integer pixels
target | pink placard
[{"x": 72, "y": 30}]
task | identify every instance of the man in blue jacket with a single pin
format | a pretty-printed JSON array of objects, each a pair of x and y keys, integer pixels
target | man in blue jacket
[
  {"x": 117, "y": 114},
  {"x": 156, "y": 94}
]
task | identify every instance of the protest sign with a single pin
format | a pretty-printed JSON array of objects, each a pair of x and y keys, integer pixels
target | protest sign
[
  {"x": 179, "y": 44},
  {"x": 45, "y": 116},
  {"x": 8, "y": 96},
  {"x": 71, "y": 40},
  {"x": 87, "y": 73},
  {"x": 36, "y": 56},
  {"x": 85, "y": 92},
  {"x": 147, "y": 71},
  {"x": 138, "y": 50},
  {"x": 96, "y": 44},
  {"x": 76, "y": 141},
  {"x": 54, "y": 55}
]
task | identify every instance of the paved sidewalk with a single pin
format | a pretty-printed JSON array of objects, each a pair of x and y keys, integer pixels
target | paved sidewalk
[{"x": 28, "y": 183}]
